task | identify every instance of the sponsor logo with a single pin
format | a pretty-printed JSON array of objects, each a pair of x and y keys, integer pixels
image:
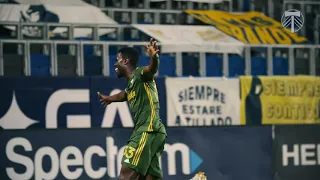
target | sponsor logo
[
  {"x": 292, "y": 20},
  {"x": 71, "y": 162},
  {"x": 190, "y": 159},
  {"x": 301, "y": 155},
  {"x": 16, "y": 119}
]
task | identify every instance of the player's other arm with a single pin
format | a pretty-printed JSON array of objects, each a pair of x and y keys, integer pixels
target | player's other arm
[
  {"x": 149, "y": 71},
  {"x": 106, "y": 100}
]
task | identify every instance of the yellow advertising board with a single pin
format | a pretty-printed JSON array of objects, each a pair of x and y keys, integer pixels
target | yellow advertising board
[
  {"x": 250, "y": 28},
  {"x": 280, "y": 100}
]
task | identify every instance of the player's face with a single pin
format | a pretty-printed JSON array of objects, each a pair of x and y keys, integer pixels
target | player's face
[{"x": 119, "y": 66}]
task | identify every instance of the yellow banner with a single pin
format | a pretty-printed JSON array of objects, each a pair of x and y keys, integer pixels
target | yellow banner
[
  {"x": 280, "y": 100},
  {"x": 250, "y": 28}
]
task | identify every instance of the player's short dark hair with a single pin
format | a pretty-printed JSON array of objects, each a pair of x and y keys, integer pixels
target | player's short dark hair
[{"x": 130, "y": 53}]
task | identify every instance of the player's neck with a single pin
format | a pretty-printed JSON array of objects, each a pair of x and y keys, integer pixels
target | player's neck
[{"x": 129, "y": 74}]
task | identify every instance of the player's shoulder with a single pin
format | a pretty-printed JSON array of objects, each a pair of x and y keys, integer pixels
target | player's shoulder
[{"x": 139, "y": 71}]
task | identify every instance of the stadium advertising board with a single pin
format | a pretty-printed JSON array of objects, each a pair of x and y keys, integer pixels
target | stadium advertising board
[
  {"x": 250, "y": 28},
  {"x": 235, "y": 152},
  {"x": 56, "y": 102},
  {"x": 280, "y": 99},
  {"x": 297, "y": 152},
  {"x": 202, "y": 101}
]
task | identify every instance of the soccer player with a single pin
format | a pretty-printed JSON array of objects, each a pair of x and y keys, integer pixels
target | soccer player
[{"x": 145, "y": 146}]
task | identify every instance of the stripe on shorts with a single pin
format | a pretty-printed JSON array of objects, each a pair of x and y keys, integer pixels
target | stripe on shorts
[{"x": 141, "y": 145}]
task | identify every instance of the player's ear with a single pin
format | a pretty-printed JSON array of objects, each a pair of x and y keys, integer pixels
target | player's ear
[{"x": 126, "y": 61}]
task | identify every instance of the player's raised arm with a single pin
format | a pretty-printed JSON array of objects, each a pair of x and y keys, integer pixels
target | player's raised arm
[
  {"x": 153, "y": 51},
  {"x": 106, "y": 100}
]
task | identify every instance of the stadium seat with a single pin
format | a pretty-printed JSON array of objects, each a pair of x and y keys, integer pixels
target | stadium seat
[
  {"x": 57, "y": 37},
  {"x": 144, "y": 60},
  {"x": 236, "y": 66},
  {"x": 141, "y": 49},
  {"x": 88, "y": 50},
  {"x": 280, "y": 66},
  {"x": 301, "y": 66},
  {"x": 113, "y": 50},
  {"x": 132, "y": 34},
  {"x": 63, "y": 49},
  {"x": 67, "y": 65},
  {"x": 93, "y": 65},
  {"x": 167, "y": 66},
  {"x": 214, "y": 66},
  {"x": 41, "y": 72},
  {"x": 83, "y": 38},
  {"x": 190, "y": 66},
  {"x": 10, "y": 48},
  {"x": 123, "y": 17},
  {"x": 106, "y": 38},
  {"x": 36, "y": 48},
  {"x": 258, "y": 66},
  {"x": 40, "y": 65},
  {"x": 142, "y": 22},
  {"x": 127, "y": 35},
  {"x": 112, "y": 61},
  {"x": 13, "y": 65}
]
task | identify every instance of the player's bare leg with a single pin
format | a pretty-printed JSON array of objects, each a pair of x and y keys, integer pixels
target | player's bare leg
[
  {"x": 130, "y": 174},
  {"x": 150, "y": 177}
]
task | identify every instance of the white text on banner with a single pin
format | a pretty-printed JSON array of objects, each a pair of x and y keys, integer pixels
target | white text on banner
[{"x": 202, "y": 101}]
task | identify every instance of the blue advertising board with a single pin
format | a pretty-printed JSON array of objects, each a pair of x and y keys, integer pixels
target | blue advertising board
[
  {"x": 297, "y": 152},
  {"x": 65, "y": 102},
  {"x": 235, "y": 153}
]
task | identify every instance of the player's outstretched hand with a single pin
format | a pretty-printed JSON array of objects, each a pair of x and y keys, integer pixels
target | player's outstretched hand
[
  {"x": 152, "y": 48},
  {"x": 105, "y": 100}
]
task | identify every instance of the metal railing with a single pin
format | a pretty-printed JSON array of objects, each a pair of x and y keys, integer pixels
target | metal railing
[
  {"x": 66, "y": 30},
  {"x": 45, "y": 34},
  {"x": 43, "y": 29},
  {"x": 168, "y": 4},
  {"x": 317, "y": 29},
  {"x": 130, "y": 16},
  {"x": 310, "y": 52},
  {"x": 151, "y": 15}
]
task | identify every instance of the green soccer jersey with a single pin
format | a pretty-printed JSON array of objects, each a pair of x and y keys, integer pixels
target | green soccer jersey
[{"x": 144, "y": 103}]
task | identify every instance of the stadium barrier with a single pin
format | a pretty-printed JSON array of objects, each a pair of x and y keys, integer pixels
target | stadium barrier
[
  {"x": 272, "y": 60},
  {"x": 280, "y": 99},
  {"x": 72, "y": 102},
  {"x": 238, "y": 152},
  {"x": 296, "y": 151},
  {"x": 265, "y": 152},
  {"x": 65, "y": 103},
  {"x": 143, "y": 16}
]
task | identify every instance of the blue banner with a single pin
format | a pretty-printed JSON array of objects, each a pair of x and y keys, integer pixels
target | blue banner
[
  {"x": 221, "y": 152},
  {"x": 61, "y": 102}
]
